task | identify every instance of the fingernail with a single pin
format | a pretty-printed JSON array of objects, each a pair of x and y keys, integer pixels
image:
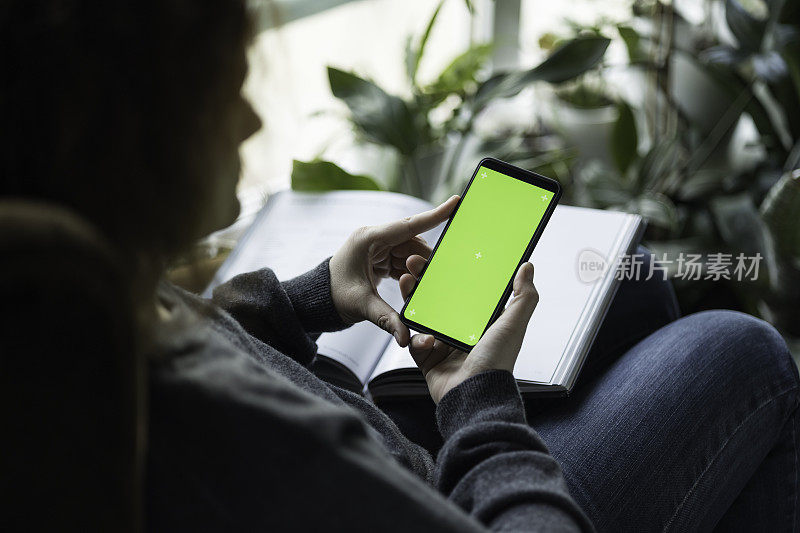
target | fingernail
[{"x": 397, "y": 336}]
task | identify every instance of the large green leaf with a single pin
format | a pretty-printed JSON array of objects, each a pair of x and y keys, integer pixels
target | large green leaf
[
  {"x": 781, "y": 211},
  {"x": 748, "y": 30},
  {"x": 624, "y": 138},
  {"x": 459, "y": 74},
  {"x": 632, "y": 42},
  {"x": 327, "y": 176},
  {"x": 568, "y": 61},
  {"x": 494, "y": 87},
  {"x": 381, "y": 117},
  {"x": 731, "y": 84}
]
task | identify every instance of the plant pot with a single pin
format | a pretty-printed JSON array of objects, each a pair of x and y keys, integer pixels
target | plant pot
[{"x": 588, "y": 130}]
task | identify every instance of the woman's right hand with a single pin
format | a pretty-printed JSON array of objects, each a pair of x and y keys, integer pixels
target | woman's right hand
[{"x": 445, "y": 367}]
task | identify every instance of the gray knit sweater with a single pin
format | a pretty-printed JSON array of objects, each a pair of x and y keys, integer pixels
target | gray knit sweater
[{"x": 243, "y": 437}]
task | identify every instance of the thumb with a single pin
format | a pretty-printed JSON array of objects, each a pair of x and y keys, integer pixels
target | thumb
[
  {"x": 519, "y": 311},
  {"x": 382, "y": 315},
  {"x": 502, "y": 341}
]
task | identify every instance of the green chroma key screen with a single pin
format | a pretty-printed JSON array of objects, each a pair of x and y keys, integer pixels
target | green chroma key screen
[{"x": 477, "y": 256}]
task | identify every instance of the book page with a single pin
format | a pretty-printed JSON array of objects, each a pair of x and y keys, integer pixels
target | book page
[
  {"x": 394, "y": 358},
  {"x": 296, "y": 231},
  {"x": 360, "y": 346},
  {"x": 563, "y": 297}
]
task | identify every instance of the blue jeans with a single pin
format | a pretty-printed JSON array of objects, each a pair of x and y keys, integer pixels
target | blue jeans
[{"x": 676, "y": 424}]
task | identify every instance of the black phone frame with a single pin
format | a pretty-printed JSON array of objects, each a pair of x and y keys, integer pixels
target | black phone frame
[{"x": 527, "y": 176}]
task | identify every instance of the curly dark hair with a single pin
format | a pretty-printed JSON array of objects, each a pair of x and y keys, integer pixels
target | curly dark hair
[{"x": 117, "y": 110}]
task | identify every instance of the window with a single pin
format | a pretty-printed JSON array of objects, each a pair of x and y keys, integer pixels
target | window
[{"x": 288, "y": 82}]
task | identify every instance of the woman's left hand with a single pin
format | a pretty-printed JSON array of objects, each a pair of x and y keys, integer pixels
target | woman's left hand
[{"x": 375, "y": 252}]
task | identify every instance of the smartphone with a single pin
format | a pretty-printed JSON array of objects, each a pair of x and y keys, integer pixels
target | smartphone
[{"x": 469, "y": 276}]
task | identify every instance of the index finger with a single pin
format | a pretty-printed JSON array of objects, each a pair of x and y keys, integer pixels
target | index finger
[{"x": 409, "y": 227}]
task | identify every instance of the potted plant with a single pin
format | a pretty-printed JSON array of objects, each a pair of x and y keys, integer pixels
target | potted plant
[{"x": 432, "y": 154}]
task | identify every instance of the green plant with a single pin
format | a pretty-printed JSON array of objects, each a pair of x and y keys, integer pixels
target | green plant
[
  {"x": 696, "y": 202},
  {"x": 763, "y": 66},
  {"x": 324, "y": 176},
  {"x": 431, "y": 152}
]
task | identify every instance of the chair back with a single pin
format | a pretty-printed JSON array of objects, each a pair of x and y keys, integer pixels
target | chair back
[{"x": 71, "y": 381}]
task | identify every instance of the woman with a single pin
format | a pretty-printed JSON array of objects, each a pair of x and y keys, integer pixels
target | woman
[{"x": 136, "y": 111}]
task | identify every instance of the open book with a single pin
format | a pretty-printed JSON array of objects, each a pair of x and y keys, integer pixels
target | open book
[{"x": 296, "y": 231}]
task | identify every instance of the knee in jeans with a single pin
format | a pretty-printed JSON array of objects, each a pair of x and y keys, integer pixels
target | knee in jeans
[{"x": 758, "y": 347}]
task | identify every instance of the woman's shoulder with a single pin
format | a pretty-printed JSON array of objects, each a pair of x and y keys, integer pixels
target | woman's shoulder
[
  {"x": 204, "y": 377},
  {"x": 214, "y": 388},
  {"x": 224, "y": 432}
]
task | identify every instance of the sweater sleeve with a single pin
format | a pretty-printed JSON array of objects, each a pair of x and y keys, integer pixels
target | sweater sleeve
[
  {"x": 495, "y": 466},
  {"x": 286, "y": 315}
]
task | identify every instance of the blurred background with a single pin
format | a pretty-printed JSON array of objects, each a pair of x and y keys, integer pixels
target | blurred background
[{"x": 686, "y": 112}]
